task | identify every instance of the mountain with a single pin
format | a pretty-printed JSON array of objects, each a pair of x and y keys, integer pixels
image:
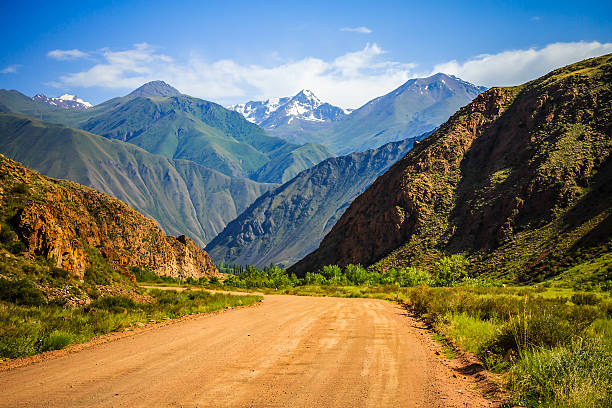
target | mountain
[
  {"x": 520, "y": 181},
  {"x": 176, "y": 126},
  {"x": 65, "y": 101},
  {"x": 289, "y": 118},
  {"x": 71, "y": 226},
  {"x": 183, "y": 196},
  {"x": 258, "y": 111},
  {"x": 289, "y": 222},
  {"x": 418, "y": 106},
  {"x": 154, "y": 89},
  {"x": 275, "y": 112}
]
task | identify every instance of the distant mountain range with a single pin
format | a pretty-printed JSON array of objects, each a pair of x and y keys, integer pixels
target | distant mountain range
[
  {"x": 183, "y": 161},
  {"x": 65, "y": 101},
  {"x": 416, "y": 107},
  {"x": 194, "y": 166},
  {"x": 163, "y": 121},
  {"x": 519, "y": 181},
  {"x": 287, "y": 223}
]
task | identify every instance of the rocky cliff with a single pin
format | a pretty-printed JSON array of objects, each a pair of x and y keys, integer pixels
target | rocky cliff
[
  {"x": 519, "y": 180},
  {"x": 69, "y": 224}
]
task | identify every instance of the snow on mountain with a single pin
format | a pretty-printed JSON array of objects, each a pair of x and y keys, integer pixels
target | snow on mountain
[
  {"x": 304, "y": 106},
  {"x": 65, "y": 101}
]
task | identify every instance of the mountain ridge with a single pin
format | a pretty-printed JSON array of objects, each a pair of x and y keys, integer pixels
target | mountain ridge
[
  {"x": 288, "y": 222},
  {"x": 171, "y": 191}
]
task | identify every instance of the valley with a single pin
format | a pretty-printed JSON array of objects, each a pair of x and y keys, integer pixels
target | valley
[{"x": 424, "y": 224}]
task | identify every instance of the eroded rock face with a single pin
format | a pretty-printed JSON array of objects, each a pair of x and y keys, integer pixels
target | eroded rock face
[
  {"x": 519, "y": 180},
  {"x": 66, "y": 222}
]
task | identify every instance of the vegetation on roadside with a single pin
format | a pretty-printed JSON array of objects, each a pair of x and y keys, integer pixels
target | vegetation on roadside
[
  {"x": 555, "y": 351},
  {"x": 30, "y": 325}
]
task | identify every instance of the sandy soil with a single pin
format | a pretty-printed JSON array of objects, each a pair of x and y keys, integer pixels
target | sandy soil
[{"x": 287, "y": 352}]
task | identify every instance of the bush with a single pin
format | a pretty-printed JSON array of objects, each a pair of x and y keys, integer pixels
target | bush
[
  {"x": 7, "y": 235},
  {"x": 413, "y": 277},
  {"x": 18, "y": 247},
  {"x": 117, "y": 304},
  {"x": 585, "y": 299},
  {"x": 21, "y": 292},
  {"x": 144, "y": 274},
  {"x": 450, "y": 270}
]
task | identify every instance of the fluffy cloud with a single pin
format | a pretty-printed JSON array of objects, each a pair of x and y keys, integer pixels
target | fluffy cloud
[
  {"x": 349, "y": 80},
  {"x": 361, "y": 30},
  {"x": 64, "y": 55},
  {"x": 11, "y": 69},
  {"x": 519, "y": 66}
]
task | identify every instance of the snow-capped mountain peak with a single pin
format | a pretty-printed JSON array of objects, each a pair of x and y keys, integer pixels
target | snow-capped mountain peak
[
  {"x": 304, "y": 106},
  {"x": 66, "y": 101},
  {"x": 73, "y": 98}
]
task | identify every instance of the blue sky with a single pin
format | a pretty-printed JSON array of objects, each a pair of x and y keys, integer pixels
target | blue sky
[{"x": 234, "y": 51}]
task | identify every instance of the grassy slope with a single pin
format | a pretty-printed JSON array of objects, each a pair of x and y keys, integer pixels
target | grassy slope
[{"x": 284, "y": 167}]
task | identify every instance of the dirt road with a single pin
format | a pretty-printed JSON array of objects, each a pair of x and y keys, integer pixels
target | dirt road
[{"x": 288, "y": 352}]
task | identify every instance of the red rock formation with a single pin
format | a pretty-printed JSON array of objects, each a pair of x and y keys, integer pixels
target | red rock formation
[{"x": 64, "y": 221}]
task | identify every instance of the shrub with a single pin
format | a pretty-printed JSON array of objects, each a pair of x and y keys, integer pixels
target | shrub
[
  {"x": 117, "y": 304},
  {"x": 585, "y": 299},
  {"x": 58, "y": 340},
  {"x": 21, "y": 292},
  {"x": 7, "y": 235},
  {"x": 356, "y": 274},
  {"x": 413, "y": 277},
  {"x": 18, "y": 247},
  {"x": 450, "y": 270},
  {"x": 20, "y": 189}
]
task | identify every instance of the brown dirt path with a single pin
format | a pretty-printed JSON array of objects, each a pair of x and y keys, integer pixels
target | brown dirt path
[{"x": 288, "y": 352}]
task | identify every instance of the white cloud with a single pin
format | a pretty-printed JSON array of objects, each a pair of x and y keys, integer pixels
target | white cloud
[
  {"x": 519, "y": 66},
  {"x": 11, "y": 69},
  {"x": 64, "y": 55},
  {"x": 361, "y": 30},
  {"x": 349, "y": 80}
]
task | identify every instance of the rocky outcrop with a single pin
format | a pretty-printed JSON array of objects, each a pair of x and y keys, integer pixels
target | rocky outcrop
[
  {"x": 70, "y": 224},
  {"x": 517, "y": 180}
]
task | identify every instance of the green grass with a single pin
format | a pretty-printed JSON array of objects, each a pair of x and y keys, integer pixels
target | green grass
[
  {"x": 553, "y": 346},
  {"x": 26, "y": 330},
  {"x": 470, "y": 333},
  {"x": 575, "y": 375}
]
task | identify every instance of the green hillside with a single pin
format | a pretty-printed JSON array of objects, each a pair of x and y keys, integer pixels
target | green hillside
[
  {"x": 180, "y": 127},
  {"x": 171, "y": 192}
]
